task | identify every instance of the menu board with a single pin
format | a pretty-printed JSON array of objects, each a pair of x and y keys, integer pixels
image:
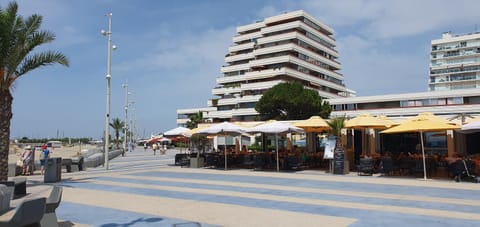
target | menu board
[
  {"x": 329, "y": 148},
  {"x": 339, "y": 161}
]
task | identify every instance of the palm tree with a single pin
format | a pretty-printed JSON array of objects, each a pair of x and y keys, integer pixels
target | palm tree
[
  {"x": 194, "y": 120},
  {"x": 18, "y": 38},
  {"x": 117, "y": 125}
]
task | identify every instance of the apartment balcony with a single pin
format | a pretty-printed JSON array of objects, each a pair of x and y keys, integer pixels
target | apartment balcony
[
  {"x": 248, "y": 36},
  {"x": 244, "y": 112},
  {"x": 297, "y": 48},
  {"x": 219, "y": 114},
  {"x": 234, "y": 68},
  {"x": 260, "y": 85},
  {"x": 299, "y": 36},
  {"x": 230, "y": 79},
  {"x": 237, "y": 100},
  {"x": 301, "y": 25},
  {"x": 264, "y": 74},
  {"x": 250, "y": 27},
  {"x": 182, "y": 121},
  {"x": 226, "y": 90},
  {"x": 314, "y": 80},
  {"x": 240, "y": 47},
  {"x": 239, "y": 57}
]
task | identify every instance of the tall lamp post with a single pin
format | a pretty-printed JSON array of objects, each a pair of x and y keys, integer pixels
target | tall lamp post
[
  {"x": 125, "y": 148},
  {"x": 109, "y": 63}
]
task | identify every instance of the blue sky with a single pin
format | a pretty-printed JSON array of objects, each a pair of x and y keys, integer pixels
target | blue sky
[{"x": 171, "y": 52}]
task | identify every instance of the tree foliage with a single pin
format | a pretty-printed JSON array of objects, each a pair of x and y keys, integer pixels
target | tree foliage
[
  {"x": 19, "y": 37},
  {"x": 291, "y": 101},
  {"x": 117, "y": 125},
  {"x": 194, "y": 120}
]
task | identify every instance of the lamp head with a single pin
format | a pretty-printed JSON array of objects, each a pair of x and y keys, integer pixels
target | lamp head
[
  {"x": 104, "y": 33},
  {"x": 114, "y": 47}
]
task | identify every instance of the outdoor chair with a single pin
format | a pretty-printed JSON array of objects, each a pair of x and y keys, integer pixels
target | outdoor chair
[
  {"x": 28, "y": 213},
  {"x": 365, "y": 167},
  {"x": 248, "y": 161},
  {"x": 53, "y": 201},
  {"x": 388, "y": 167},
  {"x": 259, "y": 161}
]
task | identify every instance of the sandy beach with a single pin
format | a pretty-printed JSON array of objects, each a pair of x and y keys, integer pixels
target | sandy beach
[{"x": 62, "y": 152}]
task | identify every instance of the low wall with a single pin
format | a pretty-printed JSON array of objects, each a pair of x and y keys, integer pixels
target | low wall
[{"x": 97, "y": 159}]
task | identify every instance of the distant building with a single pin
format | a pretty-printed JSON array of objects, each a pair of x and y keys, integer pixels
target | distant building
[
  {"x": 288, "y": 47},
  {"x": 455, "y": 62}
]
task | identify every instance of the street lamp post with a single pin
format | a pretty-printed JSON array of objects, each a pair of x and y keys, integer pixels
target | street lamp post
[
  {"x": 109, "y": 63},
  {"x": 125, "y": 148}
]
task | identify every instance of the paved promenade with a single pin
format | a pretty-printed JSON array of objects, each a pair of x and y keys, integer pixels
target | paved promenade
[{"x": 145, "y": 190}]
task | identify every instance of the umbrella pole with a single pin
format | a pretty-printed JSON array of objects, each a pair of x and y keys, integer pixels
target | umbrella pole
[
  {"x": 276, "y": 145},
  {"x": 423, "y": 155},
  {"x": 225, "y": 151}
]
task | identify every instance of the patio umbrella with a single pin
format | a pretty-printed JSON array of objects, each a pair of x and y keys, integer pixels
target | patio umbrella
[
  {"x": 223, "y": 129},
  {"x": 276, "y": 128},
  {"x": 424, "y": 122},
  {"x": 179, "y": 131},
  {"x": 471, "y": 127},
  {"x": 313, "y": 124},
  {"x": 366, "y": 121}
]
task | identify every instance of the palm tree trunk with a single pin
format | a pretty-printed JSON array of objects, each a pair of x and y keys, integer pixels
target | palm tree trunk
[{"x": 5, "y": 117}]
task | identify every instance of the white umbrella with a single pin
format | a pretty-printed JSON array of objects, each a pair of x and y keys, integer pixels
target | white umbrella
[
  {"x": 223, "y": 129},
  {"x": 276, "y": 128},
  {"x": 471, "y": 127},
  {"x": 179, "y": 131}
]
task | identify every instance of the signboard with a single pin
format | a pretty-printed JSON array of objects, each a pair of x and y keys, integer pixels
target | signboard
[
  {"x": 339, "y": 162},
  {"x": 329, "y": 148}
]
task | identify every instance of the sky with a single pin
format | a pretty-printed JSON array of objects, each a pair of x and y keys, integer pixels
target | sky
[{"x": 170, "y": 52}]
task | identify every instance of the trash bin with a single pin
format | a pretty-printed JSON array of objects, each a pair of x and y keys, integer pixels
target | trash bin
[{"x": 53, "y": 170}]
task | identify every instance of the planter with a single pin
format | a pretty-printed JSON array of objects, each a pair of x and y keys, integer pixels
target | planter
[{"x": 196, "y": 162}]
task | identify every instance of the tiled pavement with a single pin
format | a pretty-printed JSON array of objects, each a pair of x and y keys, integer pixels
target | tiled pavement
[{"x": 145, "y": 190}]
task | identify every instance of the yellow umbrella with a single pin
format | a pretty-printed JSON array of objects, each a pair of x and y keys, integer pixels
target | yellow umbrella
[
  {"x": 424, "y": 122},
  {"x": 367, "y": 121},
  {"x": 313, "y": 124}
]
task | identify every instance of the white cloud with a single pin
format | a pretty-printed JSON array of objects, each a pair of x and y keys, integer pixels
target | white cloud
[{"x": 393, "y": 19}]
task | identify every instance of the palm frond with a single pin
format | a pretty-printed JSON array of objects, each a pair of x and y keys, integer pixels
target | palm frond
[{"x": 41, "y": 59}]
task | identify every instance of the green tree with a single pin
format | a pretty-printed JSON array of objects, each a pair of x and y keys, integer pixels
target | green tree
[
  {"x": 117, "y": 125},
  {"x": 291, "y": 101},
  {"x": 194, "y": 120},
  {"x": 337, "y": 124},
  {"x": 18, "y": 38}
]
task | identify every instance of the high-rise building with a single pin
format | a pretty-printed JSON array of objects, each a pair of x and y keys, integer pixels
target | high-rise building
[
  {"x": 455, "y": 62},
  {"x": 288, "y": 47}
]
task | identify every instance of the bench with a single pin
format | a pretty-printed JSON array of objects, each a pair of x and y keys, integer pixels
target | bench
[
  {"x": 18, "y": 184},
  {"x": 67, "y": 162},
  {"x": 53, "y": 201},
  {"x": 28, "y": 213},
  {"x": 77, "y": 164}
]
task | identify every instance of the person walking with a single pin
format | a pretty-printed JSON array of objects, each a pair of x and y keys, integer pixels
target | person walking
[
  {"x": 27, "y": 159},
  {"x": 154, "y": 148},
  {"x": 44, "y": 155},
  {"x": 145, "y": 146}
]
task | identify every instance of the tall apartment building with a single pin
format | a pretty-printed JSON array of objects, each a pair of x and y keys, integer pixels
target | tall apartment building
[
  {"x": 455, "y": 62},
  {"x": 288, "y": 47}
]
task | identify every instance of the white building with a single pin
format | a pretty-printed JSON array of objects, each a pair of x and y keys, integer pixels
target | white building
[
  {"x": 448, "y": 104},
  {"x": 455, "y": 62},
  {"x": 288, "y": 47}
]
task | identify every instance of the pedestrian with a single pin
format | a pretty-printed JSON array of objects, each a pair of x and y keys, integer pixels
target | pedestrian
[
  {"x": 44, "y": 155},
  {"x": 154, "y": 148},
  {"x": 145, "y": 146},
  {"x": 27, "y": 159}
]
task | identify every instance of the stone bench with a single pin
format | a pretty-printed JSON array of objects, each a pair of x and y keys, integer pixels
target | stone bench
[
  {"x": 19, "y": 186},
  {"x": 28, "y": 213},
  {"x": 53, "y": 201}
]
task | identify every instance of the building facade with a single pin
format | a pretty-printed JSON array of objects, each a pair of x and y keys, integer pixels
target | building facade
[
  {"x": 288, "y": 47},
  {"x": 455, "y": 62}
]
